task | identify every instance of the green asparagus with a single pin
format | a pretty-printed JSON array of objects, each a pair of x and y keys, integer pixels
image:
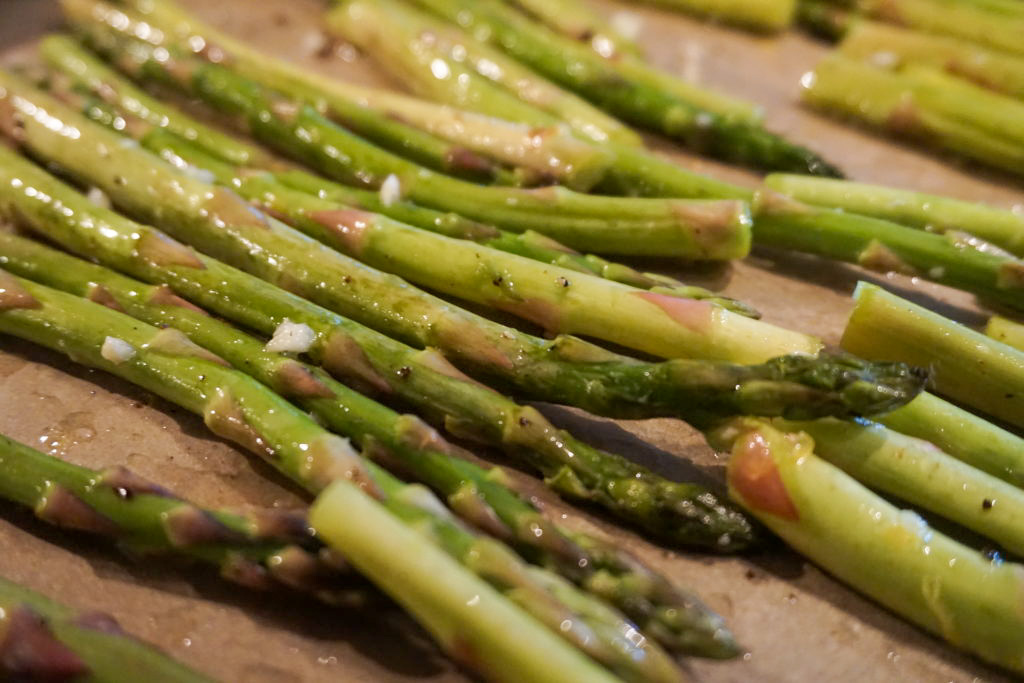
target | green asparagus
[
  {"x": 1006, "y": 331},
  {"x": 674, "y": 617},
  {"x": 256, "y": 549},
  {"x": 41, "y": 640},
  {"x": 998, "y": 30},
  {"x": 889, "y": 554},
  {"x": 763, "y": 15},
  {"x": 573, "y": 18},
  {"x": 236, "y": 407},
  {"x": 91, "y": 74},
  {"x": 892, "y": 46},
  {"x": 891, "y": 102},
  {"x": 949, "y": 259},
  {"x": 476, "y": 620},
  {"x": 653, "y": 226},
  {"x": 683, "y": 513},
  {"x": 844, "y": 384},
  {"x": 631, "y": 92},
  {"x": 823, "y": 18},
  {"x": 1001, "y": 227},
  {"x": 635, "y": 172},
  {"x": 966, "y": 365},
  {"x": 917, "y": 472}
]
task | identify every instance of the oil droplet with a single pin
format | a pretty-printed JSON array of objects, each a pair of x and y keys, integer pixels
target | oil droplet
[{"x": 71, "y": 430}]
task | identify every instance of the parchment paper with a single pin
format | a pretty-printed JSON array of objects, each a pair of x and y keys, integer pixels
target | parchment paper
[{"x": 797, "y": 623}]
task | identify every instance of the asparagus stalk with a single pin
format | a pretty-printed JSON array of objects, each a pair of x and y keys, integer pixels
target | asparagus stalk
[
  {"x": 574, "y": 19},
  {"x": 293, "y": 443},
  {"x": 41, "y": 640},
  {"x": 655, "y": 226},
  {"x": 894, "y": 46},
  {"x": 961, "y": 434},
  {"x": 1001, "y": 227},
  {"x": 633, "y": 93},
  {"x": 891, "y": 102},
  {"x": 966, "y": 365},
  {"x": 679, "y": 512},
  {"x": 888, "y": 247},
  {"x": 425, "y": 39},
  {"x": 635, "y": 171},
  {"x": 917, "y": 472},
  {"x": 1006, "y": 331},
  {"x": 842, "y": 382},
  {"x": 90, "y": 73},
  {"x": 823, "y": 18},
  {"x": 476, "y": 620},
  {"x": 891, "y": 555},
  {"x": 762, "y": 15},
  {"x": 676, "y": 618},
  {"x": 393, "y": 134},
  {"x": 999, "y": 31},
  {"x": 257, "y": 549}
]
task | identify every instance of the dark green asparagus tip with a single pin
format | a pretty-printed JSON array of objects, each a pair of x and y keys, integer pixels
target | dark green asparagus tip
[{"x": 847, "y": 385}]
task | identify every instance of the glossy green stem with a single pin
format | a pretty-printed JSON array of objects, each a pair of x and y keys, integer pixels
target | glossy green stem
[
  {"x": 890, "y": 555},
  {"x": 823, "y": 18},
  {"x": 965, "y": 365},
  {"x": 896, "y": 46},
  {"x": 44, "y": 641},
  {"x": 632, "y": 92},
  {"x": 372, "y": 360},
  {"x": 467, "y": 616},
  {"x": 257, "y": 549},
  {"x": 575, "y": 19},
  {"x": 1006, "y": 331},
  {"x": 762, "y": 15},
  {"x": 591, "y": 223},
  {"x": 675, "y": 617},
  {"x": 236, "y": 407},
  {"x": 1001, "y": 227},
  {"x": 920, "y": 474},
  {"x": 880, "y": 245},
  {"x": 888, "y": 102}
]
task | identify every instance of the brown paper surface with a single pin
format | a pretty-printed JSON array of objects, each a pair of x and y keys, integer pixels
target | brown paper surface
[{"x": 797, "y": 623}]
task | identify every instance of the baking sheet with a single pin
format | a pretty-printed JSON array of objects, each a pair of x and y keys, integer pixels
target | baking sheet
[{"x": 797, "y": 623}]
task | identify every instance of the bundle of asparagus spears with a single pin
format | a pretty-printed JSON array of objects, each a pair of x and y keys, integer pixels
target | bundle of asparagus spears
[
  {"x": 943, "y": 72},
  {"x": 320, "y": 243}
]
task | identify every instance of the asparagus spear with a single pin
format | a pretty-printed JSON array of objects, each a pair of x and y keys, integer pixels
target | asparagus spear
[
  {"x": 842, "y": 382},
  {"x": 999, "y": 31},
  {"x": 41, "y": 640},
  {"x": 574, "y": 19},
  {"x": 595, "y": 307},
  {"x": 823, "y": 18},
  {"x": 683, "y": 513},
  {"x": 891, "y": 555},
  {"x": 1001, "y": 227},
  {"x": 235, "y": 406},
  {"x": 762, "y": 15},
  {"x": 477, "y": 621},
  {"x": 917, "y": 472},
  {"x": 888, "y": 247},
  {"x": 893, "y": 46},
  {"x": 961, "y": 434},
  {"x": 635, "y": 171},
  {"x": 891, "y": 102},
  {"x": 655, "y": 226},
  {"x": 633, "y": 94},
  {"x": 1006, "y": 331},
  {"x": 676, "y": 618},
  {"x": 424, "y": 39},
  {"x": 71, "y": 59},
  {"x": 389, "y": 132},
  {"x": 257, "y": 549},
  {"x": 966, "y": 365}
]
